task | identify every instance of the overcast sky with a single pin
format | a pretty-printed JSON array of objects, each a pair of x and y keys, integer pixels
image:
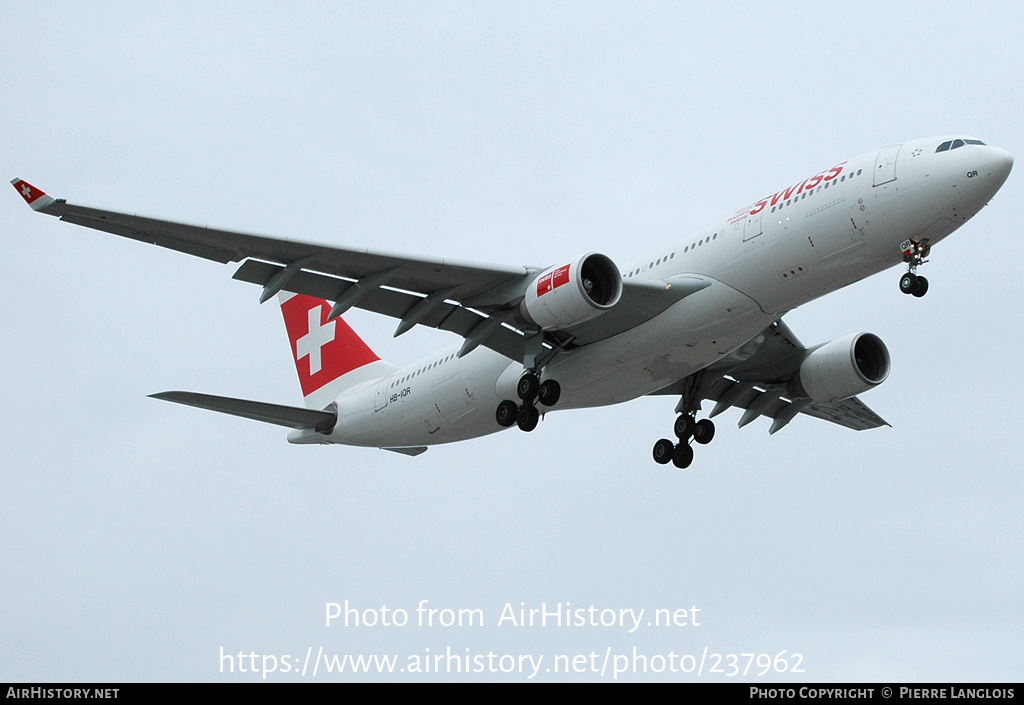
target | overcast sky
[{"x": 139, "y": 538}]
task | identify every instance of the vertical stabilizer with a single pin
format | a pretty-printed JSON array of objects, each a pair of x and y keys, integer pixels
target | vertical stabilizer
[{"x": 329, "y": 356}]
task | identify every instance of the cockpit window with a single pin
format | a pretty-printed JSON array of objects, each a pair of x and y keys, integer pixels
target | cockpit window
[{"x": 956, "y": 144}]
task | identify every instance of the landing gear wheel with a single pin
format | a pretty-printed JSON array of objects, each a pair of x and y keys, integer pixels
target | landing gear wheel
[
  {"x": 527, "y": 418},
  {"x": 921, "y": 288},
  {"x": 507, "y": 413},
  {"x": 549, "y": 392},
  {"x": 704, "y": 431},
  {"x": 664, "y": 450},
  {"x": 683, "y": 456},
  {"x": 528, "y": 386},
  {"x": 683, "y": 427},
  {"x": 908, "y": 283}
]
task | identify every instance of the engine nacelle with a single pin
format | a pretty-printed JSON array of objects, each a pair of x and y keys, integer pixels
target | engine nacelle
[
  {"x": 845, "y": 367},
  {"x": 571, "y": 293}
]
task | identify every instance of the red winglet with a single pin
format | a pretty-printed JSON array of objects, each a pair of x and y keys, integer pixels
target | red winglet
[{"x": 33, "y": 196}]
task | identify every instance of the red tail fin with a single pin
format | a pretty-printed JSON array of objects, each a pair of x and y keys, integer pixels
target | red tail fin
[{"x": 324, "y": 351}]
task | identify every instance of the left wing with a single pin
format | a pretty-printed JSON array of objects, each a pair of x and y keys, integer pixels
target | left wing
[
  {"x": 476, "y": 301},
  {"x": 756, "y": 378}
]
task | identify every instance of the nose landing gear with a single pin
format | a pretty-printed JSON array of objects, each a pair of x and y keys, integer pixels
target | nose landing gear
[
  {"x": 914, "y": 254},
  {"x": 914, "y": 284}
]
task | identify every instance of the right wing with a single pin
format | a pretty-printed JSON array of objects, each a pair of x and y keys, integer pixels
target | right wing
[
  {"x": 476, "y": 301},
  {"x": 756, "y": 378}
]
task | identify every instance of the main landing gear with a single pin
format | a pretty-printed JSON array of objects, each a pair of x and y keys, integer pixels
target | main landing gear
[
  {"x": 686, "y": 428},
  {"x": 914, "y": 254},
  {"x": 530, "y": 390}
]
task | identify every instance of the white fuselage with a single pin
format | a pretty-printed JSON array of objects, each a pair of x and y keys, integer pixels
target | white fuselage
[{"x": 817, "y": 236}]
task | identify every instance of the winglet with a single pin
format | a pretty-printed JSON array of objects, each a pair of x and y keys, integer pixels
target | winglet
[{"x": 33, "y": 196}]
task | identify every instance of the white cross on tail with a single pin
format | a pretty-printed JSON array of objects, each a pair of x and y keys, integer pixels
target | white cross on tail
[{"x": 313, "y": 342}]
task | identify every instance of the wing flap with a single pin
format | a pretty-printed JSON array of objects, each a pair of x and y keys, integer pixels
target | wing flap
[
  {"x": 771, "y": 401},
  {"x": 851, "y": 413}
]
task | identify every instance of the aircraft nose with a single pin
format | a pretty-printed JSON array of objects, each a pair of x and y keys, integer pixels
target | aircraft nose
[{"x": 999, "y": 163}]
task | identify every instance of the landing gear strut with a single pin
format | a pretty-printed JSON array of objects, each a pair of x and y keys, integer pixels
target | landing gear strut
[
  {"x": 914, "y": 255},
  {"x": 686, "y": 429}
]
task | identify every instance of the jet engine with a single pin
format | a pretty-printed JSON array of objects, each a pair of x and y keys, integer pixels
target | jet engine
[
  {"x": 845, "y": 367},
  {"x": 568, "y": 294}
]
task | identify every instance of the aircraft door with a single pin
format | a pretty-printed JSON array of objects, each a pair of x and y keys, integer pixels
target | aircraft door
[
  {"x": 382, "y": 395},
  {"x": 752, "y": 226},
  {"x": 885, "y": 165}
]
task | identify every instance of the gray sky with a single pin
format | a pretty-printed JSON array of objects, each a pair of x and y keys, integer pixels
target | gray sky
[{"x": 139, "y": 538}]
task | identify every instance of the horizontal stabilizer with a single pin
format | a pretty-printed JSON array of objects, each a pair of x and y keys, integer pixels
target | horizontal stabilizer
[{"x": 290, "y": 416}]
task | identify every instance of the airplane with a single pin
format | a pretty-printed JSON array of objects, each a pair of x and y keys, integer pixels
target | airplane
[{"x": 699, "y": 319}]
